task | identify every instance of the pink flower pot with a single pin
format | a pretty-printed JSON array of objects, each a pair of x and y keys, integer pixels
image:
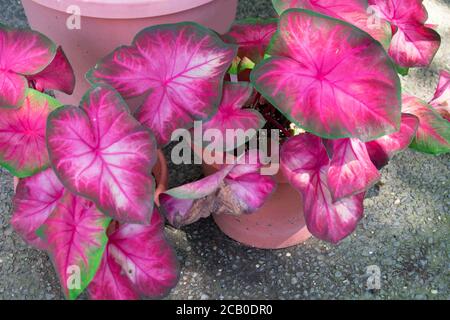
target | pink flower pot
[{"x": 107, "y": 24}]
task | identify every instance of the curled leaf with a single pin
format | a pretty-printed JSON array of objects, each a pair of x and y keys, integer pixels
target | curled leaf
[
  {"x": 58, "y": 75},
  {"x": 413, "y": 44},
  {"x": 433, "y": 133},
  {"x": 384, "y": 148},
  {"x": 441, "y": 98},
  {"x": 102, "y": 153}
]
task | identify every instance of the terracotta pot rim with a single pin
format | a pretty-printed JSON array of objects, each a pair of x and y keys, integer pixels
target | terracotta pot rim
[{"x": 123, "y": 9}]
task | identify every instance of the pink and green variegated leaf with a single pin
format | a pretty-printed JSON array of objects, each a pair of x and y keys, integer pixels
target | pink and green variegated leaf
[
  {"x": 75, "y": 233},
  {"x": 305, "y": 163},
  {"x": 441, "y": 99},
  {"x": 330, "y": 78},
  {"x": 252, "y": 36},
  {"x": 36, "y": 197},
  {"x": 111, "y": 282},
  {"x": 23, "y": 52},
  {"x": 101, "y": 152},
  {"x": 180, "y": 67},
  {"x": 384, "y": 148},
  {"x": 433, "y": 133},
  {"x": 12, "y": 89},
  {"x": 146, "y": 257},
  {"x": 248, "y": 186},
  {"x": 22, "y": 134},
  {"x": 232, "y": 116},
  {"x": 355, "y": 12},
  {"x": 58, "y": 75},
  {"x": 414, "y": 44},
  {"x": 351, "y": 171}
]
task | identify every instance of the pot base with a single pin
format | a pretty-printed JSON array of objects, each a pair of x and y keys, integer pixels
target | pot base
[{"x": 278, "y": 224}]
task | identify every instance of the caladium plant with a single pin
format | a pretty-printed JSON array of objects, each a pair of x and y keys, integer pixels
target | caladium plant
[{"x": 320, "y": 75}]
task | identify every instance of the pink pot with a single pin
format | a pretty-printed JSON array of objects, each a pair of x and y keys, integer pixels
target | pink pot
[{"x": 107, "y": 24}]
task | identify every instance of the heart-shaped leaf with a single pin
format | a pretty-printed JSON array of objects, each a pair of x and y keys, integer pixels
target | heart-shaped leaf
[
  {"x": 23, "y": 52},
  {"x": 146, "y": 257},
  {"x": 58, "y": 75},
  {"x": 231, "y": 115},
  {"x": 330, "y": 78},
  {"x": 180, "y": 67},
  {"x": 355, "y": 12},
  {"x": 384, "y": 148},
  {"x": 22, "y": 135},
  {"x": 75, "y": 233},
  {"x": 441, "y": 99},
  {"x": 413, "y": 43},
  {"x": 102, "y": 153},
  {"x": 305, "y": 163},
  {"x": 351, "y": 171},
  {"x": 252, "y": 36},
  {"x": 433, "y": 133},
  {"x": 36, "y": 197}
]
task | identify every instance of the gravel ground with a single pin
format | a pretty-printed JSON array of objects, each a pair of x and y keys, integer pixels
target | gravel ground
[{"x": 405, "y": 231}]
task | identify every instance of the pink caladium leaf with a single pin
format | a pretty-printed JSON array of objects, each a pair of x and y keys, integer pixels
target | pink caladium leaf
[
  {"x": 384, "y": 148},
  {"x": 433, "y": 133},
  {"x": 111, "y": 282},
  {"x": 413, "y": 44},
  {"x": 23, "y": 53},
  {"x": 101, "y": 152},
  {"x": 146, "y": 257},
  {"x": 351, "y": 171},
  {"x": 441, "y": 98},
  {"x": 180, "y": 67},
  {"x": 179, "y": 206},
  {"x": 75, "y": 233},
  {"x": 35, "y": 198},
  {"x": 252, "y": 36},
  {"x": 232, "y": 116},
  {"x": 305, "y": 162},
  {"x": 58, "y": 75},
  {"x": 23, "y": 151},
  {"x": 356, "y": 12},
  {"x": 338, "y": 83}
]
